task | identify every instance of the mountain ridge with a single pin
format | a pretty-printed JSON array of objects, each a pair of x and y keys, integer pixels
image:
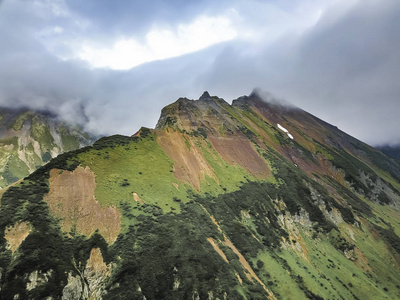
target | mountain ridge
[{"x": 217, "y": 202}]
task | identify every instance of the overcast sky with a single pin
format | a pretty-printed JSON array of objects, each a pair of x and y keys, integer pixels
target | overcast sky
[{"x": 113, "y": 65}]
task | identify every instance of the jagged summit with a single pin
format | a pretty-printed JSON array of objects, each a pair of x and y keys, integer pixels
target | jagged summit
[
  {"x": 218, "y": 117},
  {"x": 186, "y": 114},
  {"x": 205, "y": 96}
]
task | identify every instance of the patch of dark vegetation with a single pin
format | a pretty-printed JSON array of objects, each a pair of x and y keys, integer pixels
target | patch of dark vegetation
[
  {"x": 352, "y": 168},
  {"x": 152, "y": 209},
  {"x": 199, "y": 132},
  {"x": 190, "y": 260},
  {"x": 145, "y": 132},
  {"x": 339, "y": 242},
  {"x": 358, "y": 205},
  {"x": 125, "y": 183},
  {"x": 282, "y": 138},
  {"x": 247, "y": 132},
  {"x": 126, "y": 210},
  {"x": 383, "y": 198},
  {"x": 254, "y": 198},
  {"x": 170, "y": 121},
  {"x": 309, "y": 294},
  {"x": 379, "y": 159},
  {"x": 117, "y": 140},
  {"x": 176, "y": 199},
  {"x": 390, "y": 237},
  {"x": 296, "y": 194},
  {"x": 46, "y": 157}
]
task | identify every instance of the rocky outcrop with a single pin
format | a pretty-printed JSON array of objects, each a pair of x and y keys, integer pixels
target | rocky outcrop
[
  {"x": 74, "y": 288},
  {"x": 89, "y": 284},
  {"x": 37, "y": 278}
]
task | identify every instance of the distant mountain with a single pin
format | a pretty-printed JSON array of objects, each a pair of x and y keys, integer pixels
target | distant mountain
[
  {"x": 29, "y": 139},
  {"x": 254, "y": 200},
  {"x": 391, "y": 151}
]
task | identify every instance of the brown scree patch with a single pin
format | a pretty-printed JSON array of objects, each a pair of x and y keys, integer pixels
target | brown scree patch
[
  {"x": 239, "y": 151},
  {"x": 190, "y": 165},
  {"x": 71, "y": 199},
  {"x": 16, "y": 234}
]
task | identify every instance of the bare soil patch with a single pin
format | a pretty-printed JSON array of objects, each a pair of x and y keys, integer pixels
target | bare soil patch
[
  {"x": 71, "y": 199},
  {"x": 16, "y": 234},
  {"x": 190, "y": 165},
  {"x": 218, "y": 249},
  {"x": 137, "y": 198},
  {"x": 238, "y": 150}
]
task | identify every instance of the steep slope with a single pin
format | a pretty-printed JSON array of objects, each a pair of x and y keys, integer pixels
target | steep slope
[
  {"x": 252, "y": 200},
  {"x": 29, "y": 139}
]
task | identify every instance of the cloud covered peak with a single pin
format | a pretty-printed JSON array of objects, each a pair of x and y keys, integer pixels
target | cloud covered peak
[{"x": 269, "y": 98}]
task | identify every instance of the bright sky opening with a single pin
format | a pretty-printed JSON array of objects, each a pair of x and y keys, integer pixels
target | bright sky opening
[{"x": 160, "y": 44}]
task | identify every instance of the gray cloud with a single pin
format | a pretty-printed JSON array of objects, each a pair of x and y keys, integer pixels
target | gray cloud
[
  {"x": 344, "y": 69},
  {"x": 121, "y": 18},
  {"x": 349, "y": 71}
]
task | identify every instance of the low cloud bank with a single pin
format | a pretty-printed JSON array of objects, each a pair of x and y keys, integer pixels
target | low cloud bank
[{"x": 343, "y": 69}]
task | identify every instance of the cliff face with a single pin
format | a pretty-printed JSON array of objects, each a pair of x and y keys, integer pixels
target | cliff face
[
  {"x": 252, "y": 200},
  {"x": 29, "y": 139}
]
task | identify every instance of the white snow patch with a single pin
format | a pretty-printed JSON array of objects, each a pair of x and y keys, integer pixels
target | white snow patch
[
  {"x": 285, "y": 130},
  {"x": 282, "y": 128}
]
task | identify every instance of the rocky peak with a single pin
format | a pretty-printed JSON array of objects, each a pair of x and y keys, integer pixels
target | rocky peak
[
  {"x": 214, "y": 114},
  {"x": 207, "y": 112},
  {"x": 205, "y": 96}
]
